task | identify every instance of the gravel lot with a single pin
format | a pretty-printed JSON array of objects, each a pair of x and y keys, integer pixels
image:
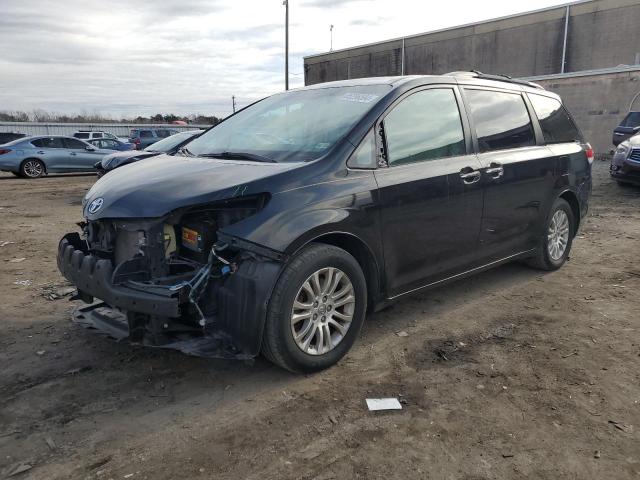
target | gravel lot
[{"x": 511, "y": 374}]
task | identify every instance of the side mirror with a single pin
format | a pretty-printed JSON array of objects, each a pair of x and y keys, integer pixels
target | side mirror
[{"x": 90, "y": 148}]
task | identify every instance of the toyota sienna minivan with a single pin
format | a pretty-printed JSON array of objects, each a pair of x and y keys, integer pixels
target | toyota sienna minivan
[{"x": 276, "y": 231}]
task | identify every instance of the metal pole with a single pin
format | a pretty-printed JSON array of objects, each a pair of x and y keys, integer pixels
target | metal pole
[
  {"x": 564, "y": 44},
  {"x": 233, "y": 102},
  {"x": 286, "y": 44},
  {"x": 402, "y": 63},
  {"x": 331, "y": 35}
]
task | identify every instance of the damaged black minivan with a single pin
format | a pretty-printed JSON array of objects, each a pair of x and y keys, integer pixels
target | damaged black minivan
[{"x": 277, "y": 230}]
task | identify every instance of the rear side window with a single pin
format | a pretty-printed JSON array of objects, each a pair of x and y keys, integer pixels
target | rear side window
[
  {"x": 424, "y": 126},
  {"x": 74, "y": 144},
  {"x": 145, "y": 134},
  {"x": 133, "y": 133},
  {"x": 631, "y": 120},
  {"x": 501, "y": 120},
  {"x": 81, "y": 135},
  {"x": 557, "y": 126},
  {"x": 49, "y": 142},
  {"x": 97, "y": 135}
]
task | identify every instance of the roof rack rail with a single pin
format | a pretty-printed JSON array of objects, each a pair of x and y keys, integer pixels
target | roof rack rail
[{"x": 498, "y": 78}]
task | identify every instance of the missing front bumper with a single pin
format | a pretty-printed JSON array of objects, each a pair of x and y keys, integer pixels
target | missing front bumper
[{"x": 115, "y": 324}]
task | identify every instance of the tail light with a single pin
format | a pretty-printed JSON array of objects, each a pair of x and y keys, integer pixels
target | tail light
[
  {"x": 4, "y": 150},
  {"x": 136, "y": 142},
  {"x": 589, "y": 152}
]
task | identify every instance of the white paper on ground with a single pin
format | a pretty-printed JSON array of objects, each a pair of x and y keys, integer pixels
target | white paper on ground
[{"x": 383, "y": 404}]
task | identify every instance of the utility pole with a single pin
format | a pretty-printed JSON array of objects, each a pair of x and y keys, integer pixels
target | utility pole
[
  {"x": 331, "y": 33},
  {"x": 233, "y": 102},
  {"x": 286, "y": 44}
]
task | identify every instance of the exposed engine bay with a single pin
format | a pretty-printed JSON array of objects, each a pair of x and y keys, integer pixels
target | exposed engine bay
[{"x": 174, "y": 282}]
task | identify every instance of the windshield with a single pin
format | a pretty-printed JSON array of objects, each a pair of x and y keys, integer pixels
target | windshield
[
  {"x": 291, "y": 126},
  {"x": 166, "y": 144},
  {"x": 631, "y": 120}
]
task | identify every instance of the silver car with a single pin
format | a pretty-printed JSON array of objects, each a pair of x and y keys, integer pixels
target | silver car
[{"x": 33, "y": 157}]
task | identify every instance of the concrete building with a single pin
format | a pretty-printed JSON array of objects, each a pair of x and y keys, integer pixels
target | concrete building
[{"x": 586, "y": 51}]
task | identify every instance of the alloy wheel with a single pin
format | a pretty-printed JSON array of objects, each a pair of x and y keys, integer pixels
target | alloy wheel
[
  {"x": 33, "y": 169},
  {"x": 322, "y": 311},
  {"x": 558, "y": 235}
]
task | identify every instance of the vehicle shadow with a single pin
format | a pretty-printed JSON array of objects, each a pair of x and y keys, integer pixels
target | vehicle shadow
[
  {"x": 10, "y": 176},
  {"x": 147, "y": 384}
]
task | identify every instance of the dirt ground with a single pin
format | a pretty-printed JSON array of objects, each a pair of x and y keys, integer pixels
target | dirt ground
[{"x": 511, "y": 374}]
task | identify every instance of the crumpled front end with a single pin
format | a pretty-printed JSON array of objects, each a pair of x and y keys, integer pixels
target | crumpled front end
[{"x": 174, "y": 282}]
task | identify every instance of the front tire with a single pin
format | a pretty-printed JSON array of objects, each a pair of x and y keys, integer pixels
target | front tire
[
  {"x": 555, "y": 244},
  {"x": 32, "y": 168},
  {"x": 316, "y": 310}
]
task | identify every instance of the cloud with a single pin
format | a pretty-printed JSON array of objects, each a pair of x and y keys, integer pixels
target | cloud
[{"x": 190, "y": 56}]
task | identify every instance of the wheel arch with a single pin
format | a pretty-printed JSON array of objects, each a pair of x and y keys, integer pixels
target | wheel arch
[
  {"x": 572, "y": 199},
  {"x": 359, "y": 250}
]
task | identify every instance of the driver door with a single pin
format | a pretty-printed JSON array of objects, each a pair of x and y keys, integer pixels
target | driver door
[{"x": 82, "y": 156}]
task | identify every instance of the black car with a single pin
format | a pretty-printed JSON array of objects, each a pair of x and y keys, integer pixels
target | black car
[
  {"x": 277, "y": 230},
  {"x": 6, "y": 137},
  {"x": 628, "y": 127},
  {"x": 169, "y": 146},
  {"x": 625, "y": 163}
]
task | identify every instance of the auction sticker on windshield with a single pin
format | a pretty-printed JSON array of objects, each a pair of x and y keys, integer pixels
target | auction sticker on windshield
[{"x": 359, "y": 97}]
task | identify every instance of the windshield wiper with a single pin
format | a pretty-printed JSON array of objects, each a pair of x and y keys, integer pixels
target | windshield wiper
[
  {"x": 185, "y": 151},
  {"x": 239, "y": 156}
]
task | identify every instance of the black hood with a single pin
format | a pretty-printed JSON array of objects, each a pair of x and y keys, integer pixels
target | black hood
[
  {"x": 141, "y": 191},
  {"x": 114, "y": 160}
]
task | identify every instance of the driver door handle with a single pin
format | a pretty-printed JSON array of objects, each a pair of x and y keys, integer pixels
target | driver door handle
[
  {"x": 469, "y": 175},
  {"x": 495, "y": 170}
]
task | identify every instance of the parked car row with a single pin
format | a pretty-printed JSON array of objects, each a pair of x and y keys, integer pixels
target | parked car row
[{"x": 35, "y": 156}]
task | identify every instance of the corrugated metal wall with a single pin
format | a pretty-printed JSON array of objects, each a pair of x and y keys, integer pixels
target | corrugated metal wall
[{"x": 118, "y": 129}]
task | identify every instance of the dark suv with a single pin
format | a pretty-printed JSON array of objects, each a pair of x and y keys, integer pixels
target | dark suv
[
  {"x": 277, "y": 230},
  {"x": 628, "y": 127}
]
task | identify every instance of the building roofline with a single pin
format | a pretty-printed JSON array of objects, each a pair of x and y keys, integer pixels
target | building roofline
[
  {"x": 584, "y": 73},
  {"x": 446, "y": 29}
]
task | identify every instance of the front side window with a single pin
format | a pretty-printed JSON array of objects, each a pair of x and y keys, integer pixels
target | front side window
[
  {"x": 555, "y": 122},
  {"x": 424, "y": 126},
  {"x": 501, "y": 120},
  {"x": 145, "y": 134},
  {"x": 292, "y": 126},
  {"x": 48, "y": 142},
  {"x": 365, "y": 155},
  {"x": 97, "y": 135}
]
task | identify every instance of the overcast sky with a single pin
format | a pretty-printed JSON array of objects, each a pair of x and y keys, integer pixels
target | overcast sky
[{"x": 125, "y": 58}]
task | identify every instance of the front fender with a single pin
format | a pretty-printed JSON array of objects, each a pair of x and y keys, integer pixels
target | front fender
[{"x": 294, "y": 217}]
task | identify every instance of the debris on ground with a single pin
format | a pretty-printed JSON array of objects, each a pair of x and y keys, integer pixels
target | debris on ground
[
  {"x": 56, "y": 292},
  {"x": 622, "y": 426},
  {"x": 75, "y": 371},
  {"x": 402, "y": 333},
  {"x": 17, "y": 260},
  {"x": 23, "y": 283},
  {"x": 41, "y": 352},
  {"x": 4, "y": 244},
  {"x": 596, "y": 454},
  {"x": 383, "y": 404},
  {"x": 23, "y": 467},
  {"x": 50, "y": 443}
]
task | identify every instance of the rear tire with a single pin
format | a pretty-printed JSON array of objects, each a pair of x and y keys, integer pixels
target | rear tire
[
  {"x": 316, "y": 310},
  {"x": 32, "y": 168},
  {"x": 556, "y": 241}
]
